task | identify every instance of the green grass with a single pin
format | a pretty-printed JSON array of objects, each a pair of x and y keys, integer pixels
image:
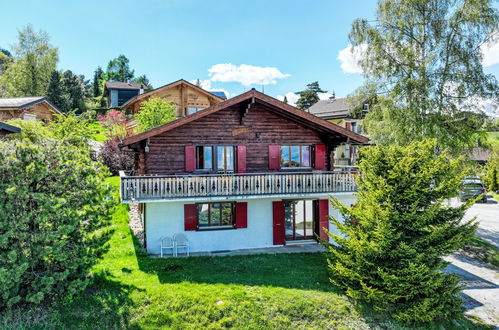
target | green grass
[
  {"x": 131, "y": 290},
  {"x": 482, "y": 250},
  {"x": 493, "y": 138}
]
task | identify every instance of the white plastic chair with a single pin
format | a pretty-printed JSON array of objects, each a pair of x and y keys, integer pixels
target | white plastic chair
[
  {"x": 181, "y": 241},
  {"x": 167, "y": 243}
]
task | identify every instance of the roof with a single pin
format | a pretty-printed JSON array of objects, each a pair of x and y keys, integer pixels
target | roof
[
  {"x": 331, "y": 108},
  {"x": 9, "y": 128},
  {"x": 277, "y": 106},
  {"x": 170, "y": 85},
  {"x": 23, "y": 102},
  {"x": 124, "y": 85},
  {"x": 220, "y": 94}
]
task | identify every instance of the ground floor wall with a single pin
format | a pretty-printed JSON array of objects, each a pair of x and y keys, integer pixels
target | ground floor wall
[{"x": 167, "y": 218}]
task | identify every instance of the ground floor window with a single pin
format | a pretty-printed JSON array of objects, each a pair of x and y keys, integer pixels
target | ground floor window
[
  {"x": 300, "y": 219},
  {"x": 216, "y": 215}
]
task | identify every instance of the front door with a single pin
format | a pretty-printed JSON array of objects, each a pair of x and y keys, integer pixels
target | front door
[{"x": 300, "y": 219}]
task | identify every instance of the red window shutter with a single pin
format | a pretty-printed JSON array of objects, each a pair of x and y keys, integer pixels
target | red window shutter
[
  {"x": 241, "y": 215},
  {"x": 241, "y": 159},
  {"x": 320, "y": 156},
  {"x": 323, "y": 218},
  {"x": 190, "y": 158},
  {"x": 274, "y": 157},
  {"x": 278, "y": 222},
  {"x": 348, "y": 125},
  {"x": 190, "y": 217}
]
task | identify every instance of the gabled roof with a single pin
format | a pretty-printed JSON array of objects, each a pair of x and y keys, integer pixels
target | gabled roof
[
  {"x": 277, "y": 106},
  {"x": 331, "y": 108},
  {"x": 124, "y": 85},
  {"x": 170, "y": 85},
  {"x": 9, "y": 128},
  {"x": 220, "y": 94},
  {"x": 23, "y": 102}
]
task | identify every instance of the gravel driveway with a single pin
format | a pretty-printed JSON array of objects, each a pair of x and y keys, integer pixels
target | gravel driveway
[{"x": 481, "y": 283}]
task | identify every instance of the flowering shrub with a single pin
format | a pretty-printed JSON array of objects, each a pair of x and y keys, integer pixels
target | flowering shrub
[{"x": 115, "y": 121}]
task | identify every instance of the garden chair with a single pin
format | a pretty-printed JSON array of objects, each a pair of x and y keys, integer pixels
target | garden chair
[
  {"x": 181, "y": 241},
  {"x": 167, "y": 243}
]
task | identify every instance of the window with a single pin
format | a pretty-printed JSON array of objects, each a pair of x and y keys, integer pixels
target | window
[
  {"x": 190, "y": 111},
  {"x": 215, "y": 215},
  {"x": 295, "y": 156},
  {"x": 219, "y": 158}
]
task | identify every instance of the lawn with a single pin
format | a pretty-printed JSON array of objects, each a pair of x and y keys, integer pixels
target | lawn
[{"x": 134, "y": 291}]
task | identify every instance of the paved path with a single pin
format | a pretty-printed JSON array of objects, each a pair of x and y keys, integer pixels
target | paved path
[{"x": 481, "y": 283}]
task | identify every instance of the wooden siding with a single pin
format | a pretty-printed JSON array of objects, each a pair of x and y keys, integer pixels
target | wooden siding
[
  {"x": 260, "y": 128},
  {"x": 182, "y": 94},
  {"x": 42, "y": 110}
]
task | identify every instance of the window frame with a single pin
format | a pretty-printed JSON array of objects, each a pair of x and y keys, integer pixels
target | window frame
[
  {"x": 214, "y": 158},
  {"x": 290, "y": 155},
  {"x": 219, "y": 226}
]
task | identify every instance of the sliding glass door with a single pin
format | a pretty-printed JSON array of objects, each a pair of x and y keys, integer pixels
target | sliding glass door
[{"x": 299, "y": 219}]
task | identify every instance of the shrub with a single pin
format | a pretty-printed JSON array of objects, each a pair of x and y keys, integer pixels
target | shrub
[
  {"x": 115, "y": 121},
  {"x": 389, "y": 249},
  {"x": 54, "y": 207},
  {"x": 491, "y": 178},
  {"x": 155, "y": 112},
  {"x": 114, "y": 158}
]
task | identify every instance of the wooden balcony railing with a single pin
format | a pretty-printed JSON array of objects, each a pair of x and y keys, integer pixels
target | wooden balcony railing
[{"x": 149, "y": 188}]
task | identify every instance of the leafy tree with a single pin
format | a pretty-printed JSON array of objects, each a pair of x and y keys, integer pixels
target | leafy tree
[
  {"x": 310, "y": 96},
  {"x": 118, "y": 69},
  {"x": 389, "y": 249},
  {"x": 96, "y": 84},
  {"x": 361, "y": 100},
  {"x": 143, "y": 80},
  {"x": 34, "y": 61},
  {"x": 424, "y": 58},
  {"x": 5, "y": 60},
  {"x": 491, "y": 178},
  {"x": 54, "y": 215},
  {"x": 155, "y": 112},
  {"x": 54, "y": 90}
]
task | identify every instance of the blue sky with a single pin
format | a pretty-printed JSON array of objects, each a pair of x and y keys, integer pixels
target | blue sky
[{"x": 283, "y": 44}]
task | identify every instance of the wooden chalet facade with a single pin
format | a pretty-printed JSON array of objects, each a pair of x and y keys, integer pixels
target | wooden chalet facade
[
  {"x": 27, "y": 108},
  {"x": 188, "y": 97},
  {"x": 251, "y": 164}
]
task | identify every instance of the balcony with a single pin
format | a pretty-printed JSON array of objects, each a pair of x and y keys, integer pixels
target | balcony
[{"x": 137, "y": 189}]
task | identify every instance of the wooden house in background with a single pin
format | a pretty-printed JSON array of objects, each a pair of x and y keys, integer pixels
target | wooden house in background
[
  {"x": 188, "y": 97},
  {"x": 27, "y": 108},
  {"x": 118, "y": 93}
]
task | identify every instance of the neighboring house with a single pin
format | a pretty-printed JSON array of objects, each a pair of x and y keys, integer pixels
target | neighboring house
[
  {"x": 27, "y": 108},
  {"x": 250, "y": 172},
  {"x": 118, "y": 92},
  {"x": 8, "y": 129},
  {"x": 188, "y": 97},
  {"x": 337, "y": 111},
  {"x": 480, "y": 155}
]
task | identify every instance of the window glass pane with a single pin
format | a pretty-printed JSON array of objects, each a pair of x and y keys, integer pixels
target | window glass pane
[
  {"x": 300, "y": 219},
  {"x": 203, "y": 215},
  {"x": 305, "y": 154},
  {"x": 284, "y": 156},
  {"x": 208, "y": 158},
  {"x": 199, "y": 157},
  {"x": 229, "y": 151},
  {"x": 190, "y": 111},
  {"x": 215, "y": 214},
  {"x": 220, "y": 158},
  {"x": 295, "y": 156},
  {"x": 288, "y": 218},
  {"x": 309, "y": 217},
  {"x": 227, "y": 214}
]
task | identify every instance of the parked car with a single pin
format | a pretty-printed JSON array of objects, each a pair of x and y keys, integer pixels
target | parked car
[{"x": 472, "y": 189}]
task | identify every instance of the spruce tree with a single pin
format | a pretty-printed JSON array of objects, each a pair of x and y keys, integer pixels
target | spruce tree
[
  {"x": 310, "y": 96},
  {"x": 285, "y": 100},
  {"x": 54, "y": 90},
  {"x": 389, "y": 249},
  {"x": 96, "y": 85}
]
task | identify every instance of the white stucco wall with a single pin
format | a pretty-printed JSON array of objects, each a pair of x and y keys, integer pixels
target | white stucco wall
[{"x": 167, "y": 218}]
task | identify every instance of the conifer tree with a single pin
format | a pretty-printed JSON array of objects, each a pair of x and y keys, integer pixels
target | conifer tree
[
  {"x": 54, "y": 90},
  {"x": 96, "y": 84},
  {"x": 310, "y": 96},
  {"x": 285, "y": 100},
  {"x": 388, "y": 252}
]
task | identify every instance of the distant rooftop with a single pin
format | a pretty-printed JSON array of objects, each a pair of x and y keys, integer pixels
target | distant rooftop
[
  {"x": 124, "y": 85},
  {"x": 19, "y": 102},
  {"x": 220, "y": 94},
  {"x": 331, "y": 108},
  {"x": 9, "y": 128}
]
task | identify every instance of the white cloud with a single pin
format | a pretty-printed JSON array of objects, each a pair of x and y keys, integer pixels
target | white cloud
[
  {"x": 292, "y": 98},
  {"x": 325, "y": 96},
  {"x": 350, "y": 57},
  {"x": 490, "y": 52},
  {"x": 206, "y": 85},
  {"x": 245, "y": 74}
]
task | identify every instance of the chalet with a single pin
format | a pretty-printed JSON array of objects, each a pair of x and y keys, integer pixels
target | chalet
[
  {"x": 8, "y": 129},
  {"x": 118, "y": 92},
  {"x": 188, "y": 97},
  {"x": 249, "y": 172},
  {"x": 27, "y": 108},
  {"x": 338, "y": 111}
]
